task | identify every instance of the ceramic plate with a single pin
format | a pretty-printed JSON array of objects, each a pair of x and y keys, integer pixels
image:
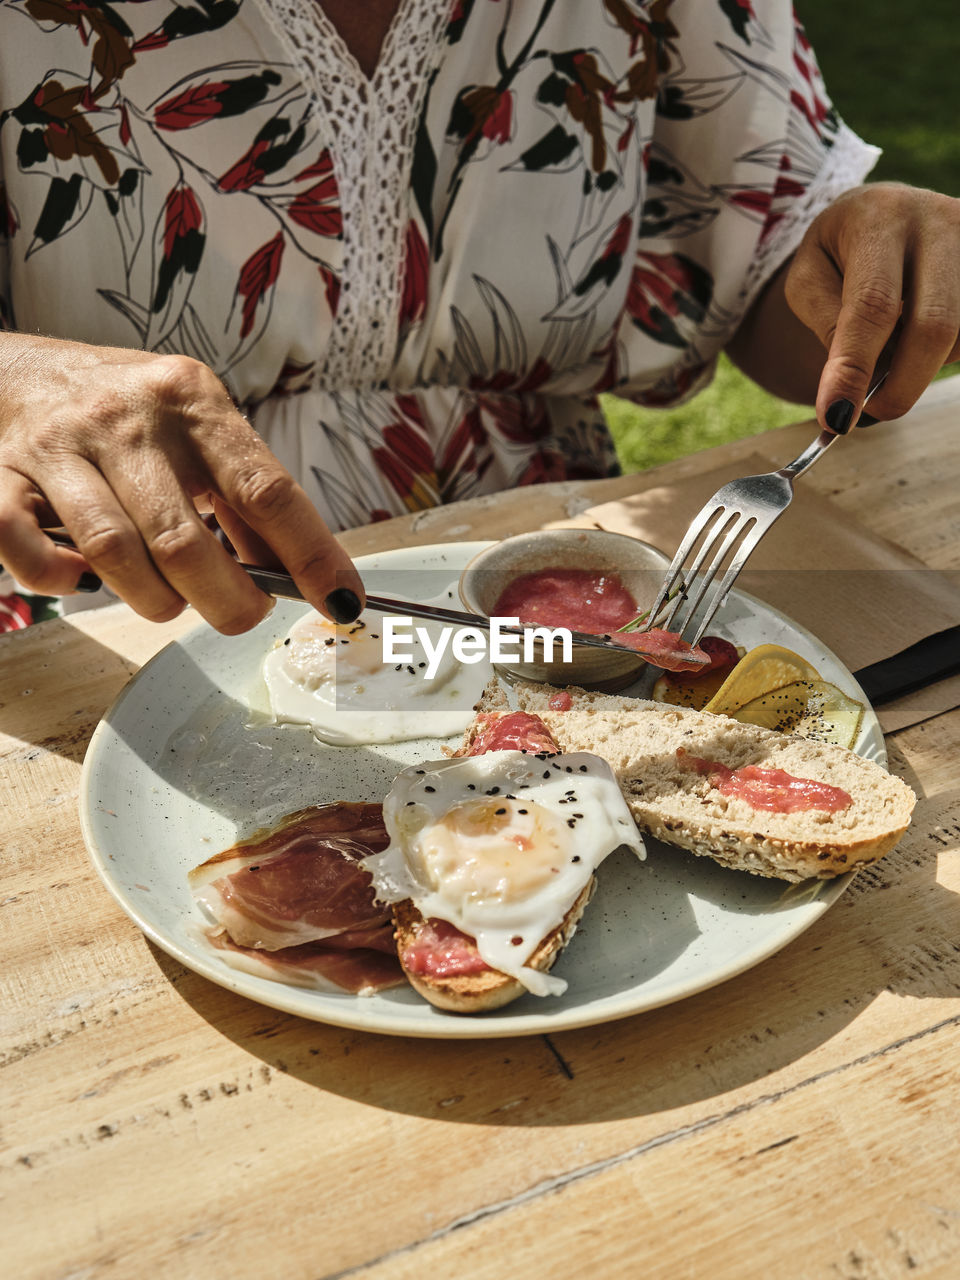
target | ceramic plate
[{"x": 186, "y": 761}]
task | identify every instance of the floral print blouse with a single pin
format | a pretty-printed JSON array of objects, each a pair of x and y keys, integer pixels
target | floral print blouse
[{"x": 416, "y": 284}]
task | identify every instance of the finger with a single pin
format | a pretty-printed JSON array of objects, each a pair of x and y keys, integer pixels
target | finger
[
  {"x": 110, "y": 543},
  {"x": 151, "y": 487},
  {"x": 869, "y": 310},
  {"x": 853, "y": 313},
  {"x": 927, "y": 335},
  {"x": 262, "y": 495},
  {"x": 26, "y": 552},
  {"x": 249, "y": 546}
]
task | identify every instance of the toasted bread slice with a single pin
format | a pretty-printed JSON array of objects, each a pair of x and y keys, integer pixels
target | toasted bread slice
[
  {"x": 491, "y": 989},
  {"x": 639, "y": 739}
]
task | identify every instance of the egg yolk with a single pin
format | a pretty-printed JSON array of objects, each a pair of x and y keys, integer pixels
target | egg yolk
[
  {"x": 494, "y": 850},
  {"x": 322, "y": 653}
]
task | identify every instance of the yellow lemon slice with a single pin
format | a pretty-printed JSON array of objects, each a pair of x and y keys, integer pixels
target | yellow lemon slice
[
  {"x": 759, "y": 671},
  {"x": 813, "y": 709}
]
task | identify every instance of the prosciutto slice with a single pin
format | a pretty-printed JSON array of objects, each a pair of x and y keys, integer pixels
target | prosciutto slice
[
  {"x": 320, "y": 966},
  {"x": 663, "y": 649},
  {"x": 299, "y": 882}
]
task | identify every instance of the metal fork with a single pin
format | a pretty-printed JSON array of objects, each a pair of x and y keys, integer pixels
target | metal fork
[
  {"x": 731, "y": 523},
  {"x": 734, "y": 520}
]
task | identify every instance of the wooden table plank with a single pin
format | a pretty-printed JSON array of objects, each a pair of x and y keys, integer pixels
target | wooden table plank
[
  {"x": 883, "y": 967},
  {"x": 184, "y": 1131}
]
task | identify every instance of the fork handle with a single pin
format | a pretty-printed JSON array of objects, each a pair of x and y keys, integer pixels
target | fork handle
[{"x": 813, "y": 452}]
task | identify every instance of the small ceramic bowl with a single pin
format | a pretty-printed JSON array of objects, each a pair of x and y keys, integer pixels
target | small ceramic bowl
[{"x": 638, "y": 565}]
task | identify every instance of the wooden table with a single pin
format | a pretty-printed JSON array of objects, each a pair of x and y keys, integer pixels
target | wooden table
[{"x": 799, "y": 1121}]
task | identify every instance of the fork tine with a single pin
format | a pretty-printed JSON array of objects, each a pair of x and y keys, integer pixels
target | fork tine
[
  {"x": 751, "y": 537},
  {"x": 731, "y": 534},
  {"x": 674, "y": 574},
  {"x": 717, "y": 530}
]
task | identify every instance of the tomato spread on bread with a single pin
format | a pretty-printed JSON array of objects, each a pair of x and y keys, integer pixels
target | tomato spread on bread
[{"x": 772, "y": 789}]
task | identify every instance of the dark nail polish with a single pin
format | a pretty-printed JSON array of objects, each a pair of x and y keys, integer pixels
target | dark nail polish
[
  {"x": 866, "y": 421},
  {"x": 839, "y": 417},
  {"x": 343, "y": 605},
  {"x": 88, "y": 582}
]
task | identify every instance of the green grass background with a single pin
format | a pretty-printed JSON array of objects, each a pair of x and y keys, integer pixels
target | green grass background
[{"x": 892, "y": 72}]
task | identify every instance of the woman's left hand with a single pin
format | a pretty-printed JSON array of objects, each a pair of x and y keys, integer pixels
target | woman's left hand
[{"x": 881, "y": 257}]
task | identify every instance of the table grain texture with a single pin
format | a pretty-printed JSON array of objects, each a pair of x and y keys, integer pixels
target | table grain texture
[{"x": 802, "y": 1120}]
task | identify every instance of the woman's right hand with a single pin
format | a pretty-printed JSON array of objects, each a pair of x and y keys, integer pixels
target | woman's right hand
[{"x": 127, "y": 450}]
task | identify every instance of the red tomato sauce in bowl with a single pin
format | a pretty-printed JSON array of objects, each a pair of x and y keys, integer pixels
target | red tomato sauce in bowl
[{"x": 587, "y": 600}]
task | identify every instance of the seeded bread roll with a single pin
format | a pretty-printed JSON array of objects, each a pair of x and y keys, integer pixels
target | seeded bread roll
[
  {"x": 491, "y": 989},
  {"x": 678, "y": 805}
]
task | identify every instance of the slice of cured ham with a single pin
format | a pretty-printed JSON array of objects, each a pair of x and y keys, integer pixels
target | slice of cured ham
[
  {"x": 298, "y": 882},
  {"x": 292, "y": 904},
  {"x": 663, "y": 649},
  {"x": 320, "y": 966}
]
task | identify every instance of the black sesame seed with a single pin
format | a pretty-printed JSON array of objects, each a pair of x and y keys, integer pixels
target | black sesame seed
[
  {"x": 516, "y": 940},
  {"x": 583, "y": 768},
  {"x": 287, "y": 641},
  {"x": 421, "y": 771},
  {"x": 421, "y": 664},
  {"x": 571, "y": 822},
  {"x": 494, "y": 791},
  {"x": 546, "y": 773},
  {"x": 499, "y": 811},
  {"x": 399, "y": 667},
  {"x": 521, "y": 811},
  {"x": 429, "y": 788},
  {"x": 471, "y": 786},
  {"x": 575, "y": 858},
  {"x": 257, "y": 868},
  {"x": 578, "y": 815},
  {"x": 332, "y": 640}
]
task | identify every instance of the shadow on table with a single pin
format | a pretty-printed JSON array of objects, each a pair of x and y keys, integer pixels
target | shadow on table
[
  {"x": 892, "y": 934},
  {"x": 46, "y": 668}
]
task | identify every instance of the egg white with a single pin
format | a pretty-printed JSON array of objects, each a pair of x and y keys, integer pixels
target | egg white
[
  {"x": 501, "y": 845},
  {"x": 333, "y": 678}
]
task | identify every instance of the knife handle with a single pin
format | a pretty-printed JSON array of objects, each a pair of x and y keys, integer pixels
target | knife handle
[
  {"x": 931, "y": 659},
  {"x": 87, "y": 582}
]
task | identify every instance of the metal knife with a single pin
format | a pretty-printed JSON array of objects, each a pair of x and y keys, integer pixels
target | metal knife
[
  {"x": 277, "y": 583},
  {"x": 281, "y": 584}
]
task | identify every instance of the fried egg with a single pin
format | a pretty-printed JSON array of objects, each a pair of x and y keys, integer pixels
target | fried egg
[
  {"x": 334, "y": 679},
  {"x": 501, "y": 845}
]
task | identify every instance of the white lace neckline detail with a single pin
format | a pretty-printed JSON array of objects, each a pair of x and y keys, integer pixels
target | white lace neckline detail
[{"x": 371, "y": 125}]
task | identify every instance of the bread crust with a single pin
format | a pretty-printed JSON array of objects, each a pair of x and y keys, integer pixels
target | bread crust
[
  {"x": 491, "y": 989},
  {"x": 639, "y": 740}
]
